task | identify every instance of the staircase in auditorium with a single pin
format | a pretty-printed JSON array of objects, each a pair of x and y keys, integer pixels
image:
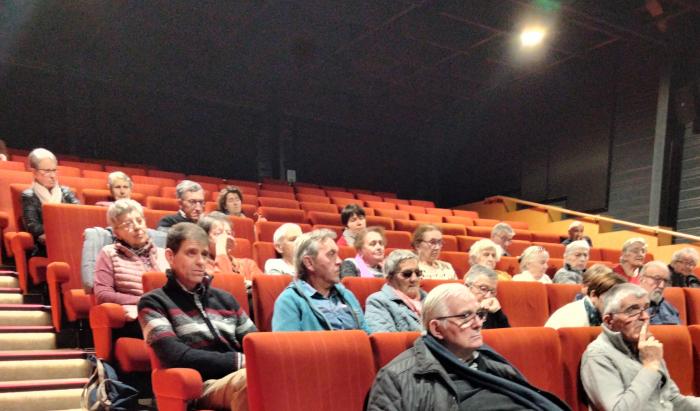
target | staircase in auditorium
[{"x": 34, "y": 374}]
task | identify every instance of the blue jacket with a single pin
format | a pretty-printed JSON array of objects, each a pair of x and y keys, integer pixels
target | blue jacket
[
  {"x": 386, "y": 312},
  {"x": 294, "y": 310},
  {"x": 665, "y": 313}
]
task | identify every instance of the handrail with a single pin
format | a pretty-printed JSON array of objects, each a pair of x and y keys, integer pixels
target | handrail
[{"x": 510, "y": 203}]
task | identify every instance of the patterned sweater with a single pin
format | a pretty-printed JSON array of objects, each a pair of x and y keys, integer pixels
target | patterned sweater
[{"x": 201, "y": 330}]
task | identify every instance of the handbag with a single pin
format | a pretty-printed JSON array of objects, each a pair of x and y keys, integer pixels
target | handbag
[{"x": 104, "y": 391}]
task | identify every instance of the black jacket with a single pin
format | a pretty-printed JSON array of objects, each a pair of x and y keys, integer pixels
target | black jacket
[
  {"x": 32, "y": 217},
  {"x": 170, "y": 220},
  {"x": 680, "y": 280}
]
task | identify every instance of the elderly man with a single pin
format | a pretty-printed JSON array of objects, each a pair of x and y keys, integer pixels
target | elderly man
[
  {"x": 683, "y": 262},
  {"x": 483, "y": 283},
  {"x": 191, "y": 198},
  {"x": 450, "y": 368},
  {"x": 624, "y": 368},
  {"x": 654, "y": 277},
  {"x": 632, "y": 259},
  {"x": 119, "y": 185},
  {"x": 502, "y": 234},
  {"x": 575, "y": 260},
  {"x": 316, "y": 300},
  {"x": 576, "y": 233},
  {"x": 191, "y": 325},
  {"x": 283, "y": 239}
]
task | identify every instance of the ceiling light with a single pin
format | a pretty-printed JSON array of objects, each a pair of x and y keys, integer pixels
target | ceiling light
[{"x": 532, "y": 36}]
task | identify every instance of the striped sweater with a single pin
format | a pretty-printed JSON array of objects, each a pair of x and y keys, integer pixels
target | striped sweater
[{"x": 201, "y": 330}]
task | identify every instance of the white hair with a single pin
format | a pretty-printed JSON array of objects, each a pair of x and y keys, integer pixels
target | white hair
[
  {"x": 38, "y": 154},
  {"x": 187, "y": 186},
  {"x": 282, "y": 231},
  {"x": 484, "y": 244},
  {"x": 394, "y": 260},
  {"x": 435, "y": 304},
  {"x": 115, "y": 176},
  {"x": 502, "y": 228},
  {"x": 656, "y": 263},
  {"x": 685, "y": 252},
  {"x": 308, "y": 244},
  {"x": 121, "y": 207},
  {"x": 530, "y": 254},
  {"x": 612, "y": 300},
  {"x": 575, "y": 245},
  {"x": 575, "y": 224},
  {"x": 477, "y": 271},
  {"x": 629, "y": 243}
]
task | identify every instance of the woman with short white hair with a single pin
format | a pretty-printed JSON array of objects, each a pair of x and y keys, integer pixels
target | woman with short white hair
[
  {"x": 634, "y": 250},
  {"x": 533, "y": 263},
  {"x": 119, "y": 185},
  {"x": 487, "y": 253},
  {"x": 283, "y": 240},
  {"x": 575, "y": 261}
]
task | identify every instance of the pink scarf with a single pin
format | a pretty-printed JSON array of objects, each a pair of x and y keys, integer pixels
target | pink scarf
[
  {"x": 416, "y": 305},
  {"x": 363, "y": 267}
]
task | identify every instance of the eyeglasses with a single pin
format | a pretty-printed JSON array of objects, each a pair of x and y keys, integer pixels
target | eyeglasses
[
  {"x": 47, "y": 171},
  {"x": 433, "y": 243},
  {"x": 194, "y": 202},
  {"x": 636, "y": 311},
  {"x": 658, "y": 280},
  {"x": 131, "y": 224},
  {"x": 409, "y": 273},
  {"x": 637, "y": 250},
  {"x": 467, "y": 318},
  {"x": 484, "y": 290},
  {"x": 688, "y": 263}
]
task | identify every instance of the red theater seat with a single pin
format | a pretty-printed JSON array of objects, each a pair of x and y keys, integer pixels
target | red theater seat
[
  {"x": 266, "y": 229},
  {"x": 310, "y": 190},
  {"x": 465, "y": 221},
  {"x": 466, "y": 213},
  {"x": 442, "y": 212},
  {"x": 426, "y": 218},
  {"x": 158, "y": 181},
  {"x": 344, "y": 201},
  {"x": 555, "y": 250},
  {"x": 458, "y": 260},
  {"x": 545, "y": 237},
  {"x": 395, "y": 214},
  {"x": 397, "y": 201},
  {"x": 266, "y": 289},
  {"x": 318, "y": 217},
  {"x": 676, "y": 297},
  {"x": 398, "y": 239},
  {"x": 363, "y": 287},
  {"x": 341, "y": 194},
  {"x": 263, "y": 251},
  {"x": 368, "y": 197},
  {"x": 335, "y": 228},
  {"x": 163, "y": 203},
  {"x": 276, "y": 194},
  {"x": 509, "y": 265},
  {"x": 387, "y": 346},
  {"x": 477, "y": 231},
  {"x": 465, "y": 242},
  {"x": 573, "y": 342},
  {"x": 278, "y": 202},
  {"x": 422, "y": 203},
  {"x": 381, "y": 205},
  {"x": 385, "y": 222},
  {"x": 411, "y": 208},
  {"x": 452, "y": 229},
  {"x": 558, "y": 295},
  {"x": 406, "y": 225},
  {"x": 322, "y": 207},
  {"x": 311, "y": 198},
  {"x": 285, "y": 215},
  {"x": 449, "y": 243},
  {"x": 525, "y": 303},
  {"x": 172, "y": 175}
]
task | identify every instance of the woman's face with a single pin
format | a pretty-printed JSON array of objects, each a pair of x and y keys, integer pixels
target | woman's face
[
  {"x": 405, "y": 279},
  {"x": 45, "y": 173},
  {"x": 372, "y": 250},
  {"x": 428, "y": 249},
  {"x": 131, "y": 228},
  {"x": 286, "y": 247},
  {"x": 233, "y": 203},
  {"x": 356, "y": 223},
  {"x": 538, "y": 265},
  {"x": 578, "y": 258},
  {"x": 121, "y": 189},
  {"x": 218, "y": 229},
  {"x": 488, "y": 258}
]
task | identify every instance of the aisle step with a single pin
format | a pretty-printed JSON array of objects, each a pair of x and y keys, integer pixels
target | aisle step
[
  {"x": 27, "y": 341},
  {"x": 42, "y": 400},
  {"x": 45, "y": 369}
]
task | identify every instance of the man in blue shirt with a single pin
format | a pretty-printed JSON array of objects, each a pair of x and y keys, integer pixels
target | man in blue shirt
[
  {"x": 316, "y": 300},
  {"x": 654, "y": 277}
]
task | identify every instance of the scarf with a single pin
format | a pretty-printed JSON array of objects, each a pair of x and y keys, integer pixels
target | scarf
[
  {"x": 594, "y": 318},
  {"x": 363, "y": 267},
  {"x": 55, "y": 196},
  {"x": 415, "y": 304}
]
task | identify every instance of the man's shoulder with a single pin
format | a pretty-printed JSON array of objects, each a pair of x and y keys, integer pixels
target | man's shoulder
[
  {"x": 28, "y": 193},
  {"x": 402, "y": 363}
]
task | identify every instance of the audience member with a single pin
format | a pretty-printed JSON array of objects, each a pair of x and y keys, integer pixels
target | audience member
[
  {"x": 119, "y": 185},
  {"x": 502, "y": 234},
  {"x": 449, "y": 368},
  {"x": 316, "y": 300},
  {"x": 189, "y": 324},
  {"x": 576, "y": 234},
  {"x": 654, "y": 277},
  {"x": 283, "y": 239},
  {"x": 222, "y": 244},
  {"x": 191, "y": 198},
  {"x": 587, "y": 311},
  {"x": 119, "y": 266},
  {"x": 4, "y": 156},
  {"x": 44, "y": 190},
  {"x": 632, "y": 258},
  {"x": 575, "y": 261},
  {"x": 624, "y": 368},
  {"x": 397, "y": 306},
  {"x": 533, "y": 263},
  {"x": 353, "y": 219},
  {"x": 427, "y": 242},
  {"x": 487, "y": 253},
  {"x": 682, "y": 266},
  {"x": 230, "y": 201},
  {"x": 483, "y": 283},
  {"x": 369, "y": 244}
]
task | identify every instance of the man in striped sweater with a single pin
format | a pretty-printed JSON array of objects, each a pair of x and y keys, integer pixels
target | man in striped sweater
[{"x": 190, "y": 325}]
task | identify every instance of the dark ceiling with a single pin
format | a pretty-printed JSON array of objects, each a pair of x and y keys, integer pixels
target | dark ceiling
[{"x": 367, "y": 63}]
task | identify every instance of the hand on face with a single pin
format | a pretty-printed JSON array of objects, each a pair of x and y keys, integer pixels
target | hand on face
[
  {"x": 651, "y": 350},
  {"x": 491, "y": 304}
]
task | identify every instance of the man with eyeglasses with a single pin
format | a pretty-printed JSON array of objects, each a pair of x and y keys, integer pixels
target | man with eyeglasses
[
  {"x": 624, "y": 368},
  {"x": 683, "y": 263},
  {"x": 502, "y": 234},
  {"x": 450, "y": 368},
  {"x": 191, "y": 198},
  {"x": 483, "y": 283},
  {"x": 654, "y": 277}
]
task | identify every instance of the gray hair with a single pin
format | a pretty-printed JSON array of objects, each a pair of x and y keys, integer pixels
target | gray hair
[
  {"x": 612, "y": 300},
  {"x": 38, "y": 154},
  {"x": 186, "y": 186},
  {"x": 118, "y": 175},
  {"x": 121, "y": 207},
  {"x": 629, "y": 243},
  {"x": 477, "y": 271},
  {"x": 575, "y": 245},
  {"x": 502, "y": 228},
  {"x": 530, "y": 254},
  {"x": 307, "y": 245},
  {"x": 575, "y": 224},
  {"x": 207, "y": 221},
  {"x": 435, "y": 304},
  {"x": 281, "y": 232},
  {"x": 394, "y": 260},
  {"x": 484, "y": 244},
  {"x": 687, "y": 251},
  {"x": 656, "y": 263}
]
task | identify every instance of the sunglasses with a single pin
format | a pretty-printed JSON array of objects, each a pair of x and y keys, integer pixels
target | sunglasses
[{"x": 409, "y": 273}]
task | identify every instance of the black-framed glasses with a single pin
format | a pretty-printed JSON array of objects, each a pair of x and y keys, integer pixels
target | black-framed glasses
[
  {"x": 47, "y": 171},
  {"x": 636, "y": 311},
  {"x": 194, "y": 203},
  {"x": 433, "y": 243},
  {"x": 467, "y": 318},
  {"x": 409, "y": 273},
  {"x": 658, "y": 280}
]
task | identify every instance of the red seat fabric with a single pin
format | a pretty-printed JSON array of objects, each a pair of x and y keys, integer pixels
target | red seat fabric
[
  {"x": 363, "y": 287},
  {"x": 428, "y": 284},
  {"x": 341, "y": 194},
  {"x": 368, "y": 197},
  {"x": 159, "y": 181},
  {"x": 692, "y": 301},
  {"x": 555, "y": 250},
  {"x": 344, "y": 201},
  {"x": 166, "y": 174},
  {"x": 395, "y": 214},
  {"x": 276, "y": 194},
  {"x": 465, "y": 213},
  {"x": 458, "y": 260},
  {"x": 465, "y": 242},
  {"x": 266, "y": 229},
  {"x": 387, "y": 346},
  {"x": 398, "y": 239},
  {"x": 485, "y": 222},
  {"x": 523, "y": 235},
  {"x": 280, "y": 188},
  {"x": 67, "y": 171},
  {"x": 318, "y": 217},
  {"x": 381, "y": 205},
  {"x": 163, "y": 203},
  {"x": 452, "y": 229},
  {"x": 573, "y": 342},
  {"x": 263, "y": 251},
  {"x": 285, "y": 215},
  {"x": 558, "y": 295},
  {"x": 426, "y": 218},
  {"x": 311, "y": 191},
  {"x": 422, "y": 203},
  {"x": 397, "y": 201},
  {"x": 312, "y": 198},
  {"x": 12, "y": 166},
  {"x": 676, "y": 297},
  {"x": 545, "y": 237},
  {"x": 465, "y": 221},
  {"x": 518, "y": 246},
  {"x": 127, "y": 170},
  {"x": 525, "y": 303},
  {"x": 385, "y": 222},
  {"x": 442, "y": 212},
  {"x": 508, "y": 264},
  {"x": 406, "y": 225},
  {"x": 278, "y": 202},
  {"x": 335, "y": 228},
  {"x": 678, "y": 355},
  {"x": 519, "y": 225},
  {"x": 323, "y": 207},
  {"x": 483, "y": 232},
  {"x": 411, "y": 208},
  {"x": 449, "y": 243},
  {"x": 95, "y": 174},
  {"x": 266, "y": 289}
]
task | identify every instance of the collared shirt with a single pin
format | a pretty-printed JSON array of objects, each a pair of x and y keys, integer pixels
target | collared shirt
[
  {"x": 665, "y": 313},
  {"x": 338, "y": 313}
]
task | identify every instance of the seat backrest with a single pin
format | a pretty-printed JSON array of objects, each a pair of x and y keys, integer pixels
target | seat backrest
[
  {"x": 611, "y": 254},
  {"x": 265, "y": 230},
  {"x": 422, "y": 203},
  {"x": 172, "y": 175},
  {"x": 694, "y": 331},
  {"x": 11, "y": 166},
  {"x": 428, "y": 284},
  {"x": 465, "y": 221},
  {"x": 525, "y": 303},
  {"x": 594, "y": 254},
  {"x": 426, "y": 218},
  {"x": 476, "y": 231},
  {"x": 313, "y": 198},
  {"x": 320, "y": 217},
  {"x": 541, "y": 343},
  {"x": 555, "y": 250},
  {"x": 336, "y": 228},
  {"x": 243, "y": 248},
  {"x": 158, "y": 181},
  {"x": 311, "y": 191},
  {"x": 458, "y": 260},
  {"x": 678, "y": 355},
  {"x": 402, "y": 224},
  {"x": 206, "y": 179},
  {"x": 518, "y": 246},
  {"x": 398, "y": 239},
  {"x": 397, "y": 201},
  {"x": 322, "y": 207},
  {"x": 485, "y": 222},
  {"x": 68, "y": 171},
  {"x": 452, "y": 229},
  {"x": 524, "y": 235},
  {"x": 341, "y": 194},
  {"x": 388, "y": 212},
  {"x": 243, "y": 227},
  {"x": 368, "y": 197},
  {"x": 12, "y": 205},
  {"x": 282, "y": 195},
  {"x": 285, "y": 215},
  {"x": 449, "y": 243},
  {"x": 163, "y": 203},
  {"x": 676, "y": 297},
  {"x": 411, "y": 208},
  {"x": 279, "y": 367},
  {"x": 263, "y": 251},
  {"x": 442, "y": 212},
  {"x": 465, "y": 213},
  {"x": 266, "y": 289},
  {"x": 363, "y": 287},
  {"x": 464, "y": 242},
  {"x": 545, "y": 237},
  {"x": 280, "y": 188},
  {"x": 387, "y": 346},
  {"x": 385, "y": 222},
  {"x": 508, "y": 264},
  {"x": 127, "y": 170},
  {"x": 341, "y": 202},
  {"x": 692, "y": 303},
  {"x": 95, "y": 174},
  {"x": 146, "y": 189},
  {"x": 573, "y": 342},
  {"x": 558, "y": 295},
  {"x": 278, "y": 202}
]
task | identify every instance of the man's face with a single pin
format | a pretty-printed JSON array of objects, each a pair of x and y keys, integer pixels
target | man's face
[
  {"x": 503, "y": 239},
  {"x": 578, "y": 258},
  {"x": 286, "y": 246},
  {"x": 121, "y": 189},
  {"x": 655, "y": 280},
  {"x": 45, "y": 173},
  {"x": 576, "y": 233},
  {"x": 629, "y": 320},
  {"x": 192, "y": 204},
  {"x": 684, "y": 265},
  {"x": 326, "y": 266},
  {"x": 189, "y": 262},
  {"x": 635, "y": 255},
  {"x": 457, "y": 335},
  {"x": 484, "y": 287}
]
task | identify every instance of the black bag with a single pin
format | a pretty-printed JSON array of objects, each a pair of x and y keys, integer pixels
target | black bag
[{"x": 104, "y": 391}]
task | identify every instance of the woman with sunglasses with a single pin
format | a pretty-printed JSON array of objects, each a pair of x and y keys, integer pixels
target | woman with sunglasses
[
  {"x": 427, "y": 242},
  {"x": 397, "y": 306}
]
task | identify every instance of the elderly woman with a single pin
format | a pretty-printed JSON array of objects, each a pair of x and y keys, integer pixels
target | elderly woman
[
  {"x": 683, "y": 263},
  {"x": 44, "y": 190},
  {"x": 427, "y": 243},
  {"x": 230, "y": 201},
  {"x": 119, "y": 266},
  {"x": 119, "y": 185},
  {"x": 587, "y": 311},
  {"x": 483, "y": 283},
  {"x": 575, "y": 233},
  {"x": 369, "y": 244},
  {"x": 533, "y": 263},
  {"x": 575, "y": 260},
  {"x": 487, "y": 253},
  {"x": 353, "y": 219},
  {"x": 397, "y": 306},
  {"x": 632, "y": 259},
  {"x": 221, "y": 245},
  {"x": 283, "y": 239}
]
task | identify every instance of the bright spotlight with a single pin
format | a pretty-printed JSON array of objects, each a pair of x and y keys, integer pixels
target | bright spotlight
[{"x": 532, "y": 36}]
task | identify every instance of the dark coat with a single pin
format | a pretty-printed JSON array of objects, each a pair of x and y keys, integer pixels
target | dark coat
[{"x": 32, "y": 218}]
